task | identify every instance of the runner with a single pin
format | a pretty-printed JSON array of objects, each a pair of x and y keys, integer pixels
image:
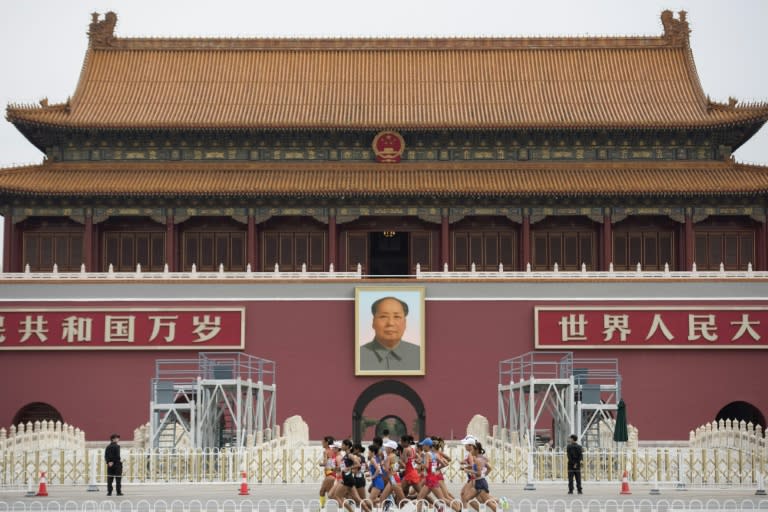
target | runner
[
  {"x": 480, "y": 468},
  {"x": 390, "y": 467},
  {"x": 359, "y": 474},
  {"x": 445, "y": 460},
  {"x": 328, "y": 462},
  {"x": 377, "y": 474},
  {"x": 466, "y": 465},
  {"x": 336, "y": 468},
  {"x": 431, "y": 465},
  {"x": 412, "y": 463},
  {"x": 348, "y": 467}
]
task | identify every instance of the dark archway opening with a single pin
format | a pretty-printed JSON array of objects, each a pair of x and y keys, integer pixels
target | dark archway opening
[
  {"x": 389, "y": 253},
  {"x": 393, "y": 424},
  {"x": 387, "y": 387},
  {"x": 741, "y": 411},
  {"x": 37, "y": 411}
]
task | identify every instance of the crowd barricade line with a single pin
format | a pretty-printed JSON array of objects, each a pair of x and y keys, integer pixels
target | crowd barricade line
[
  {"x": 177, "y": 505},
  {"x": 144, "y": 506},
  {"x": 156, "y": 506},
  {"x": 71, "y": 506},
  {"x": 312, "y": 505},
  {"x": 263, "y": 505},
  {"x": 298, "y": 505}
]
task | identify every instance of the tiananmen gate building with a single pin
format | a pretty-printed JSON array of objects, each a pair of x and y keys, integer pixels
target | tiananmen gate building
[{"x": 256, "y": 196}]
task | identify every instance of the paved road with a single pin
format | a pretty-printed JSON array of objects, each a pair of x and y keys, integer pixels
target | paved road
[{"x": 185, "y": 493}]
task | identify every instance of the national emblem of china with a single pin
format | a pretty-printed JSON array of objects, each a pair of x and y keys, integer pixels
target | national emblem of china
[{"x": 388, "y": 147}]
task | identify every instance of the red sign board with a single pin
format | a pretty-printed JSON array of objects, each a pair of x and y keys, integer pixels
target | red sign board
[
  {"x": 637, "y": 327},
  {"x": 122, "y": 328}
]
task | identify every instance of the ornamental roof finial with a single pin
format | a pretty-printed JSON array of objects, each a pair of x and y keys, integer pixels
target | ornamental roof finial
[
  {"x": 676, "y": 31},
  {"x": 102, "y": 32}
]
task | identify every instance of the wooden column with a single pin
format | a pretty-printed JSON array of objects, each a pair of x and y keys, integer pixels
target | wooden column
[
  {"x": 761, "y": 247},
  {"x": 15, "y": 240},
  {"x": 170, "y": 243},
  {"x": 607, "y": 242},
  {"x": 525, "y": 242},
  {"x": 688, "y": 237},
  {"x": 7, "y": 242},
  {"x": 88, "y": 242},
  {"x": 251, "y": 248},
  {"x": 333, "y": 251},
  {"x": 445, "y": 246}
]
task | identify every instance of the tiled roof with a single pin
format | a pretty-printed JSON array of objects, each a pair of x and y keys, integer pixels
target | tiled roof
[
  {"x": 635, "y": 82},
  {"x": 491, "y": 179}
]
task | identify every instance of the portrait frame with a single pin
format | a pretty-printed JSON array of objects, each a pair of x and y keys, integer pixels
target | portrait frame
[{"x": 368, "y": 362}]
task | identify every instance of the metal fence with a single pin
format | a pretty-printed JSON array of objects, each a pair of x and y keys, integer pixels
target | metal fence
[
  {"x": 275, "y": 464},
  {"x": 298, "y": 505}
]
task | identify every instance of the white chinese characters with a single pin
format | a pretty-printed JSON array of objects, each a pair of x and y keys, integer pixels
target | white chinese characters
[
  {"x": 61, "y": 327},
  {"x": 644, "y": 326}
]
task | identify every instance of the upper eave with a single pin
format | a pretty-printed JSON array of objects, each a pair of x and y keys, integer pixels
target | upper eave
[
  {"x": 341, "y": 180},
  {"x": 388, "y": 83}
]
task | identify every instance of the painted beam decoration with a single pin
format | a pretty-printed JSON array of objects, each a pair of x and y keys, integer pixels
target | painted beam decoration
[
  {"x": 122, "y": 328},
  {"x": 620, "y": 326}
]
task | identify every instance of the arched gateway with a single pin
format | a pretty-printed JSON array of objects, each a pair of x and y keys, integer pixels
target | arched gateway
[{"x": 387, "y": 387}]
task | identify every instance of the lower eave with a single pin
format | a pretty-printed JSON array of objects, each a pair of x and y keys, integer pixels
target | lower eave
[{"x": 345, "y": 181}]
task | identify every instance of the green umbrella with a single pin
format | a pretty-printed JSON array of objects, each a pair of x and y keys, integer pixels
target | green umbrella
[{"x": 620, "y": 434}]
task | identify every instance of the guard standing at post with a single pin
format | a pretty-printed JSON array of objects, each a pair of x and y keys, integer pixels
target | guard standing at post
[
  {"x": 114, "y": 465},
  {"x": 575, "y": 455}
]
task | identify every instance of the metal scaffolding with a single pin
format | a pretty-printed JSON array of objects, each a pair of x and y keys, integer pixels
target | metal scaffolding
[
  {"x": 215, "y": 400},
  {"x": 547, "y": 396}
]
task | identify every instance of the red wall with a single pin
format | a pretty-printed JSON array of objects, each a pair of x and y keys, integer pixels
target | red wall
[{"x": 668, "y": 392}]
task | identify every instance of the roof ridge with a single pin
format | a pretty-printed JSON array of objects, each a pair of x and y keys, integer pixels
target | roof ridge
[
  {"x": 385, "y": 44},
  {"x": 102, "y": 37}
]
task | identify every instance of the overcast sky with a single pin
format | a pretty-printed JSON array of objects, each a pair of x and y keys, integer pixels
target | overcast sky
[{"x": 42, "y": 42}]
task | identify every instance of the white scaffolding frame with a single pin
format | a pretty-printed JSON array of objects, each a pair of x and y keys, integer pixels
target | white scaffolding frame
[
  {"x": 578, "y": 394},
  {"x": 218, "y": 399}
]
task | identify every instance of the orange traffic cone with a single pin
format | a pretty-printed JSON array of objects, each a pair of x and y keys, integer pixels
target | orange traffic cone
[
  {"x": 42, "y": 490},
  {"x": 244, "y": 486},
  {"x": 625, "y": 484}
]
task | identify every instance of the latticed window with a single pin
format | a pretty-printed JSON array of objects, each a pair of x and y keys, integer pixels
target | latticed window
[
  {"x": 734, "y": 249},
  {"x": 209, "y": 249},
  {"x": 292, "y": 249},
  {"x": 124, "y": 250},
  {"x": 485, "y": 249},
  {"x": 42, "y": 249},
  {"x": 652, "y": 249},
  {"x": 569, "y": 249}
]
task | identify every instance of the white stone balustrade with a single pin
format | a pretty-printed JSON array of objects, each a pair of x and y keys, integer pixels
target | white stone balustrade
[
  {"x": 731, "y": 434},
  {"x": 41, "y": 435},
  {"x": 554, "y": 274}
]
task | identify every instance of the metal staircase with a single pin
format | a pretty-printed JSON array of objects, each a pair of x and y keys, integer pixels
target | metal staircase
[
  {"x": 215, "y": 400},
  {"x": 553, "y": 395}
]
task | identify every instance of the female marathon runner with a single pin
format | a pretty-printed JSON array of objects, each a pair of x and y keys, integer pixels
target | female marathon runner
[
  {"x": 479, "y": 468},
  {"x": 328, "y": 463},
  {"x": 410, "y": 459},
  {"x": 391, "y": 467}
]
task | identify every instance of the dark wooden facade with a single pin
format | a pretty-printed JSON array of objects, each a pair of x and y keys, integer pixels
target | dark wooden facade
[
  {"x": 383, "y": 245},
  {"x": 642, "y": 176}
]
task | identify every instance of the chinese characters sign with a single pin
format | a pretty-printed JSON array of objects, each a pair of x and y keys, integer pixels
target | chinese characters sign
[
  {"x": 67, "y": 328},
  {"x": 683, "y": 326}
]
